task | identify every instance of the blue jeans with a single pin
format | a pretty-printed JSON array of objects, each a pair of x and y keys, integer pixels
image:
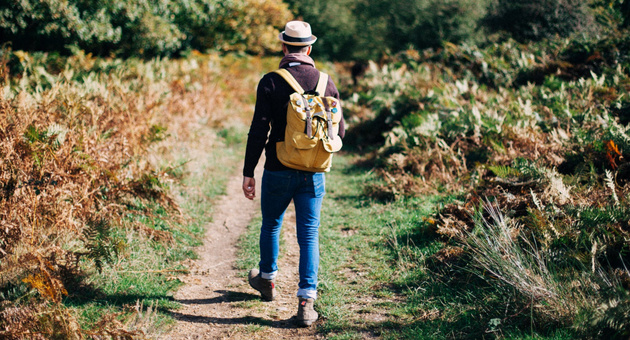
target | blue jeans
[{"x": 307, "y": 190}]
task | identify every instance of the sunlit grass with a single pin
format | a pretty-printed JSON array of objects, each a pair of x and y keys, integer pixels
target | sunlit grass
[{"x": 380, "y": 275}]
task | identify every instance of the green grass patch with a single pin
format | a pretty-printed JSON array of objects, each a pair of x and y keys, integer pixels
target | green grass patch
[
  {"x": 248, "y": 253},
  {"x": 379, "y": 278}
]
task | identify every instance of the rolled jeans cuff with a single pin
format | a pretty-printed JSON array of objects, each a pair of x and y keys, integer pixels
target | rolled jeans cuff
[
  {"x": 307, "y": 293},
  {"x": 268, "y": 276}
]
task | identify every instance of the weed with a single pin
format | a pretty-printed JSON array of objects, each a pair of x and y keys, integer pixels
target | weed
[{"x": 500, "y": 254}]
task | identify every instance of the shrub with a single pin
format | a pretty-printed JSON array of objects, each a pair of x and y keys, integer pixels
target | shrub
[
  {"x": 251, "y": 26},
  {"x": 551, "y": 151},
  {"x": 142, "y": 27},
  {"x": 425, "y": 23},
  {"x": 538, "y": 19},
  {"x": 335, "y": 25},
  {"x": 394, "y": 25},
  {"x": 78, "y": 188},
  {"x": 51, "y": 24}
]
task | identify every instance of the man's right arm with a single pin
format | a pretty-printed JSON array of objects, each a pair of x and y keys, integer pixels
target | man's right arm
[
  {"x": 258, "y": 130},
  {"x": 249, "y": 187}
]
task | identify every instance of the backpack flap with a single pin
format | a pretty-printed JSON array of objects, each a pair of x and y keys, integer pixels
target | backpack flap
[
  {"x": 312, "y": 130},
  {"x": 299, "y": 130}
]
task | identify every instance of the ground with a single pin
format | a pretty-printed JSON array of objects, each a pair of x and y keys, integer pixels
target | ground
[{"x": 218, "y": 303}]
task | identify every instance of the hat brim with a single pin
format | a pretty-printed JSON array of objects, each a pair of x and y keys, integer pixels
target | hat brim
[{"x": 310, "y": 40}]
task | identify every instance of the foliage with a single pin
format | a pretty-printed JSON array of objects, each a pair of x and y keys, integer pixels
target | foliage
[
  {"x": 99, "y": 245},
  {"x": 398, "y": 25},
  {"x": 611, "y": 318},
  {"x": 334, "y": 24},
  {"x": 425, "y": 24},
  {"x": 541, "y": 130},
  {"x": 394, "y": 25},
  {"x": 535, "y": 20},
  {"x": 141, "y": 27},
  {"x": 612, "y": 13},
  {"x": 81, "y": 190},
  {"x": 166, "y": 28}
]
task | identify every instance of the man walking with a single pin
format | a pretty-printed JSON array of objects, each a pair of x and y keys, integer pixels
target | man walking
[{"x": 281, "y": 184}]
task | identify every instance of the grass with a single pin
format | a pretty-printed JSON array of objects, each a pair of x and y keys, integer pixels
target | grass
[
  {"x": 381, "y": 274},
  {"x": 145, "y": 274},
  {"x": 248, "y": 253},
  {"x": 366, "y": 266}
]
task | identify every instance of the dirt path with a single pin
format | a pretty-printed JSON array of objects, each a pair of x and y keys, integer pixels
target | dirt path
[{"x": 217, "y": 301}]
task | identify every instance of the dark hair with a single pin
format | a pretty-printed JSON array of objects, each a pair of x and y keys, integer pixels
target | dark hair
[{"x": 296, "y": 49}]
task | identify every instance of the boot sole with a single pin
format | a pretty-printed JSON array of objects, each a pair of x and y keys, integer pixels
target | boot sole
[{"x": 306, "y": 323}]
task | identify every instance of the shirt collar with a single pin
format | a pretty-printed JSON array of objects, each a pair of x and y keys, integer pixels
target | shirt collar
[{"x": 299, "y": 58}]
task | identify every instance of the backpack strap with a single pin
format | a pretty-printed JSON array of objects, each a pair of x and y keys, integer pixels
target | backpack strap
[
  {"x": 290, "y": 79},
  {"x": 298, "y": 88},
  {"x": 321, "y": 89},
  {"x": 321, "y": 84},
  {"x": 329, "y": 122}
]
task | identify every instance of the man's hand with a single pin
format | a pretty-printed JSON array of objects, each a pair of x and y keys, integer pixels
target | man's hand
[{"x": 249, "y": 187}]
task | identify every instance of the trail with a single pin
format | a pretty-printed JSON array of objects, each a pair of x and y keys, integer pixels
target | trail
[{"x": 218, "y": 303}]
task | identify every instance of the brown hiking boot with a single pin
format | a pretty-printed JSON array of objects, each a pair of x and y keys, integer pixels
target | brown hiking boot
[
  {"x": 267, "y": 288},
  {"x": 306, "y": 313}
]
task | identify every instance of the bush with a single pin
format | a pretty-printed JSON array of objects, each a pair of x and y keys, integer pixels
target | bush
[
  {"x": 551, "y": 152},
  {"x": 142, "y": 27},
  {"x": 335, "y": 25},
  {"x": 85, "y": 181},
  {"x": 428, "y": 23},
  {"x": 394, "y": 25},
  {"x": 251, "y": 26},
  {"x": 49, "y": 25},
  {"x": 538, "y": 19}
]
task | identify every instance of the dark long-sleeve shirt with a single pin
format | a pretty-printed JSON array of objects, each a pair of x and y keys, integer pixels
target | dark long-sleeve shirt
[{"x": 272, "y": 97}]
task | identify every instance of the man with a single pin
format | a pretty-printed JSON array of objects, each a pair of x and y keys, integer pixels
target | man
[{"x": 281, "y": 184}]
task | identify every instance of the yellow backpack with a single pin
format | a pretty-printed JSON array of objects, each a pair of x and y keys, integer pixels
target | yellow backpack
[{"x": 311, "y": 136}]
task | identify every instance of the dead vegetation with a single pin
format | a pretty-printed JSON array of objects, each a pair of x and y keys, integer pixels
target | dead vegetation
[{"x": 74, "y": 162}]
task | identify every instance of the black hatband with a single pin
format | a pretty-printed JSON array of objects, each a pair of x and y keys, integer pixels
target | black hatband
[{"x": 292, "y": 39}]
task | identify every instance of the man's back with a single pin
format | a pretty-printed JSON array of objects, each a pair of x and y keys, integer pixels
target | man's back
[{"x": 271, "y": 106}]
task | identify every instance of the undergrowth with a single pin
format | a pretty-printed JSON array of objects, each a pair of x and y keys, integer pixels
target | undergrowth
[
  {"x": 532, "y": 138},
  {"x": 96, "y": 157},
  {"x": 385, "y": 273}
]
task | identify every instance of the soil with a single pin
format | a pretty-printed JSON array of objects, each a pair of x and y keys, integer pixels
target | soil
[{"x": 217, "y": 301}]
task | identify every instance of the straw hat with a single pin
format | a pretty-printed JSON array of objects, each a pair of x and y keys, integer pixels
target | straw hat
[{"x": 297, "y": 33}]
